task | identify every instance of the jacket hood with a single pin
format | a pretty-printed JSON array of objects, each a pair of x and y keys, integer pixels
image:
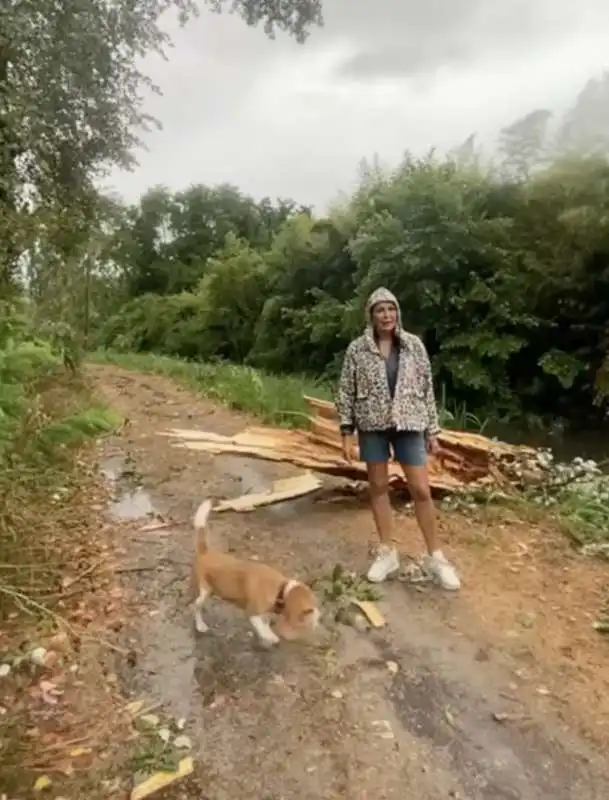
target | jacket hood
[{"x": 382, "y": 295}]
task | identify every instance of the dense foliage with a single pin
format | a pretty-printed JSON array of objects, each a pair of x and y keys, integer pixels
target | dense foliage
[
  {"x": 41, "y": 409},
  {"x": 506, "y": 280}
]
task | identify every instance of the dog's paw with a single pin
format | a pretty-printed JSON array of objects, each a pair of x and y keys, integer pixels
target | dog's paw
[
  {"x": 200, "y": 626},
  {"x": 269, "y": 641}
]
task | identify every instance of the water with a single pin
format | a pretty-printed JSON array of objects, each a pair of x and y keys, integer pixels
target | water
[
  {"x": 566, "y": 445},
  {"x": 132, "y": 505},
  {"x": 132, "y": 502}
]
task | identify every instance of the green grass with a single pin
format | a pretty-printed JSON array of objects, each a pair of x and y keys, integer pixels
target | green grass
[
  {"x": 585, "y": 520},
  {"x": 456, "y": 416},
  {"x": 274, "y": 399},
  {"x": 80, "y": 426}
]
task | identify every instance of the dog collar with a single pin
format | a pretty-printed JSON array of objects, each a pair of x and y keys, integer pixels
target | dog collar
[
  {"x": 284, "y": 590},
  {"x": 280, "y": 599}
]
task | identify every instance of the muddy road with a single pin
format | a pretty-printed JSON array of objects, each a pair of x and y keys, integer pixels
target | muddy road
[{"x": 454, "y": 698}]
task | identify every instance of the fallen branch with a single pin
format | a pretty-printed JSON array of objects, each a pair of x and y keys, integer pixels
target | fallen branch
[
  {"x": 137, "y": 568},
  {"x": 30, "y": 606},
  {"x": 80, "y": 577},
  {"x": 281, "y": 490},
  {"x": 157, "y": 526},
  {"x": 24, "y": 600}
]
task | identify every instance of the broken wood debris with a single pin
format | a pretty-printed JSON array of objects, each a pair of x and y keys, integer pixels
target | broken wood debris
[
  {"x": 371, "y": 612},
  {"x": 160, "y": 780},
  {"x": 281, "y": 490},
  {"x": 465, "y": 460}
]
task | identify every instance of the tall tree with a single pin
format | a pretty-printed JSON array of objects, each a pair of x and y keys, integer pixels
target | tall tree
[
  {"x": 522, "y": 145},
  {"x": 164, "y": 243},
  {"x": 584, "y": 129},
  {"x": 70, "y": 90},
  {"x": 465, "y": 154}
]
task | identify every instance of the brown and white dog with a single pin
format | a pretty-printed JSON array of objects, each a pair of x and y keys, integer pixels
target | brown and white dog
[{"x": 256, "y": 588}]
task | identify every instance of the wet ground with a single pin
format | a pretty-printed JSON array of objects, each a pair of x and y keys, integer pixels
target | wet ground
[{"x": 428, "y": 706}]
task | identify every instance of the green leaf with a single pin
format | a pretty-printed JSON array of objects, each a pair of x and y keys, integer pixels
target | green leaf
[{"x": 564, "y": 367}]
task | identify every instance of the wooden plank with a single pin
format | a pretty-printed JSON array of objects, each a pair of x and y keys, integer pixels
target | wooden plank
[
  {"x": 371, "y": 612},
  {"x": 280, "y": 491}
]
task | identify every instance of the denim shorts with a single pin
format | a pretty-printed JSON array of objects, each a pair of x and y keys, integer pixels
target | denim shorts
[{"x": 409, "y": 447}]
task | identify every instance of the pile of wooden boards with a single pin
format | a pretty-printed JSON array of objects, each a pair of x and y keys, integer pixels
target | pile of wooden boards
[{"x": 465, "y": 460}]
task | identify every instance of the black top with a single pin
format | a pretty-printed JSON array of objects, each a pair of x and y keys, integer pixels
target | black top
[{"x": 392, "y": 364}]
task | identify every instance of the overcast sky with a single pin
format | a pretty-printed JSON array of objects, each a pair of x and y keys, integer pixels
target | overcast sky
[{"x": 280, "y": 119}]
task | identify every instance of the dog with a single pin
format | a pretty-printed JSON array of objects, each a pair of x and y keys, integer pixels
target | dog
[{"x": 258, "y": 589}]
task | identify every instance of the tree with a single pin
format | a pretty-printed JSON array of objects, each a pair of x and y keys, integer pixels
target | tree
[
  {"x": 71, "y": 84},
  {"x": 70, "y": 94},
  {"x": 141, "y": 244},
  {"x": 308, "y": 264},
  {"x": 584, "y": 130},
  {"x": 164, "y": 243},
  {"x": 233, "y": 293},
  {"x": 522, "y": 145},
  {"x": 465, "y": 154}
]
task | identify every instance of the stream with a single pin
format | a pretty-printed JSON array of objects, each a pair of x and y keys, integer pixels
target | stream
[{"x": 566, "y": 445}]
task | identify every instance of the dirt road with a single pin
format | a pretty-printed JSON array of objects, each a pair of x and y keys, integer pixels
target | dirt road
[{"x": 459, "y": 696}]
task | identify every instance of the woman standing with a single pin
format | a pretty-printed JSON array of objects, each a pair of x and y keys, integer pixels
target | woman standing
[{"x": 386, "y": 395}]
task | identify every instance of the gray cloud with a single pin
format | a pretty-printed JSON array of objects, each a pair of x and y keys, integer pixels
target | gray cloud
[
  {"x": 388, "y": 62},
  {"x": 410, "y": 38},
  {"x": 278, "y": 118}
]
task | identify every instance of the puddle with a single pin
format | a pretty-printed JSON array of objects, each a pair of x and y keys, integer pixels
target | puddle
[
  {"x": 246, "y": 472},
  {"x": 132, "y": 505},
  {"x": 132, "y": 502}
]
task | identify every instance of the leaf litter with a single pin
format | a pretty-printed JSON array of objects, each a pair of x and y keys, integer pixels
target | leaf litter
[
  {"x": 61, "y": 719},
  {"x": 160, "y": 756}
]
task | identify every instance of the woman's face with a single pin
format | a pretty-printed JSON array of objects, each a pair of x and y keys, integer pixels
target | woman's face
[{"x": 384, "y": 317}]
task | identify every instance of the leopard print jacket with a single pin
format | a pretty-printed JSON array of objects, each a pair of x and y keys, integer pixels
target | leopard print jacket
[{"x": 364, "y": 401}]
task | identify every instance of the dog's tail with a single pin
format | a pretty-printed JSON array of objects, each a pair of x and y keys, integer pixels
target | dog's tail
[{"x": 200, "y": 523}]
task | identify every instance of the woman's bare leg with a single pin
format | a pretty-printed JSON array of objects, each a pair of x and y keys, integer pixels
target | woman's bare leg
[
  {"x": 425, "y": 513},
  {"x": 378, "y": 480},
  {"x": 417, "y": 479},
  {"x": 386, "y": 562}
]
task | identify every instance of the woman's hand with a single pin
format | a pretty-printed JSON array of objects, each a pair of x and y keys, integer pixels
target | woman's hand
[
  {"x": 433, "y": 446},
  {"x": 348, "y": 448}
]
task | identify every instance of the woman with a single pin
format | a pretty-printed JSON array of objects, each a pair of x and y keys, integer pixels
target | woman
[{"x": 386, "y": 395}]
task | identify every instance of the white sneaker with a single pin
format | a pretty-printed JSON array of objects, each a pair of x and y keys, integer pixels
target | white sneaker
[
  {"x": 385, "y": 564},
  {"x": 443, "y": 571}
]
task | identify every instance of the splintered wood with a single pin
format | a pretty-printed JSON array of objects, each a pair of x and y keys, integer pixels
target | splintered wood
[
  {"x": 465, "y": 460},
  {"x": 284, "y": 489}
]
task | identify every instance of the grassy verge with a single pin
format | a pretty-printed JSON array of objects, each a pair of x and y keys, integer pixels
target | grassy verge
[
  {"x": 49, "y": 549},
  {"x": 41, "y": 475},
  {"x": 274, "y": 399},
  {"x": 39, "y": 465}
]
